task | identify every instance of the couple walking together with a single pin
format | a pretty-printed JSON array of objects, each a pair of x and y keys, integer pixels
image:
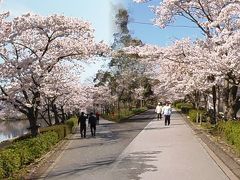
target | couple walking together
[
  {"x": 92, "y": 121},
  {"x": 164, "y": 110}
]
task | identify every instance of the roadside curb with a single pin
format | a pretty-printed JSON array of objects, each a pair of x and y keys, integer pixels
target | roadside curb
[{"x": 229, "y": 160}]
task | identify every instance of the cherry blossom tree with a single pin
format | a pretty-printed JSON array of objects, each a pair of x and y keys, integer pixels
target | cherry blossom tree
[
  {"x": 211, "y": 16},
  {"x": 219, "y": 21},
  {"x": 57, "y": 87},
  {"x": 5, "y": 26},
  {"x": 103, "y": 98},
  {"x": 173, "y": 68},
  {"x": 30, "y": 52}
]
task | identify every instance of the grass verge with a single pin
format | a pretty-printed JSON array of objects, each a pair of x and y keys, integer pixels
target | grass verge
[{"x": 22, "y": 152}]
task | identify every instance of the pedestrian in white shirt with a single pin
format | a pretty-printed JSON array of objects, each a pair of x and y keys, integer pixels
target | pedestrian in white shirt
[
  {"x": 158, "y": 110},
  {"x": 167, "y": 111}
]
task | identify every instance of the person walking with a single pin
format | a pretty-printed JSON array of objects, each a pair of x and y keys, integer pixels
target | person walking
[
  {"x": 97, "y": 116},
  {"x": 167, "y": 111},
  {"x": 82, "y": 121},
  {"x": 92, "y": 121},
  {"x": 158, "y": 110}
]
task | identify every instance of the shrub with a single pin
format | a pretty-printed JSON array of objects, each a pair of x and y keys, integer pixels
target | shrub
[
  {"x": 21, "y": 148},
  {"x": 175, "y": 103},
  {"x": 138, "y": 110},
  {"x": 72, "y": 122},
  {"x": 182, "y": 104},
  {"x": 10, "y": 162},
  {"x": 24, "y": 152},
  {"x": 178, "y": 105},
  {"x": 193, "y": 113},
  {"x": 185, "y": 107},
  {"x": 150, "y": 106},
  {"x": 59, "y": 129},
  {"x": 27, "y": 149},
  {"x": 63, "y": 129},
  {"x": 1, "y": 168},
  {"x": 229, "y": 130},
  {"x": 124, "y": 114}
]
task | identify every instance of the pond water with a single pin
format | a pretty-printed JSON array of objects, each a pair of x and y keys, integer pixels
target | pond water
[{"x": 13, "y": 129}]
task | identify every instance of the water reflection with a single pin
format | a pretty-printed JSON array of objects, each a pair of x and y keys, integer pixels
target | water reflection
[{"x": 12, "y": 129}]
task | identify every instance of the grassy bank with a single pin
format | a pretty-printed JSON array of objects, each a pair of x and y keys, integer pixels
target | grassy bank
[
  {"x": 229, "y": 131},
  {"x": 24, "y": 151},
  {"x": 123, "y": 114}
]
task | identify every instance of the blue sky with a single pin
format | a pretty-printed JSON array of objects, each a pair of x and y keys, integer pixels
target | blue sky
[
  {"x": 153, "y": 34},
  {"x": 98, "y": 12},
  {"x": 101, "y": 14}
]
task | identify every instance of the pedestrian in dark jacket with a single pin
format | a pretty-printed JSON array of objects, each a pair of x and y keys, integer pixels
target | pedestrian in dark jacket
[
  {"x": 97, "y": 116},
  {"x": 82, "y": 121},
  {"x": 92, "y": 121}
]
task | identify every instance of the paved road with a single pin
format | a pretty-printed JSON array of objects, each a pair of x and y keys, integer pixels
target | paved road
[
  {"x": 157, "y": 152},
  {"x": 87, "y": 158}
]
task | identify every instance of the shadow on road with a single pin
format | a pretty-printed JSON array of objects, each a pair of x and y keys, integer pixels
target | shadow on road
[
  {"x": 98, "y": 154},
  {"x": 138, "y": 163},
  {"x": 88, "y": 166}
]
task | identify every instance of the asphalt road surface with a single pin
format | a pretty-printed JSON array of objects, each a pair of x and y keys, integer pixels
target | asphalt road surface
[
  {"x": 142, "y": 148},
  {"x": 92, "y": 158}
]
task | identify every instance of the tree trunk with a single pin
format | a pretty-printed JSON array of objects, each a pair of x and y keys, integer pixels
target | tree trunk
[
  {"x": 68, "y": 115},
  {"x": 54, "y": 109},
  {"x": 218, "y": 99},
  {"x": 226, "y": 97},
  {"x": 138, "y": 103},
  {"x": 213, "y": 120},
  {"x": 205, "y": 101},
  {"x": 196, "y": 99},
  {"x": 129, "y": 105},
  {"x": 63, "y": 115},
  {"x": 42, "y": 116},
  {"x": 49, "y": 113},
  {"x": 232, "y": 104},
  {"x": 118, "y": 108},
  {"x": 230, "y": 100},
  {"x": 237, "y": 107},
  {"x": 32, "y": 117}
]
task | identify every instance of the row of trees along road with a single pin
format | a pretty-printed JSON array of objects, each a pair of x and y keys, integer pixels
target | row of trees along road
[
  {"x": 193, "y": 68},
  {"x": 125, "y": 76},
  {"x": 35, "y": 73},
  {"x": 39, "y": 55}
]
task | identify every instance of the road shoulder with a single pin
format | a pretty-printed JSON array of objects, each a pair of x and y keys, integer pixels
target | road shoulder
[{"x": 217, "y": 151}]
